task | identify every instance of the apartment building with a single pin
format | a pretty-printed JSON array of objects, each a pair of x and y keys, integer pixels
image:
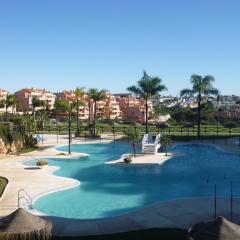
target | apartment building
[
  {"x": 3, "y": 96},
  {"x": 133, "y": 109},
  {"x": 108, "y": 108},
  {"x": 25, "y": 96},
  {"x": 70, "y": 96},
  {"x": 105, "y": 109}
]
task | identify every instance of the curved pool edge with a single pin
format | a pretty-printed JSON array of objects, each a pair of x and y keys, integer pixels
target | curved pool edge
[
  {"x": 37, "y": 197},
  {"x": 109, "y": 162},
  {"x": 51, "y": 172},
  {"x": 179, "y": 213},
  {"x": 220, "y": 147}
]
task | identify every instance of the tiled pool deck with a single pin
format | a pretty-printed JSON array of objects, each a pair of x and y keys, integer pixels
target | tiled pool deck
[{"x": 182, "y": 213}]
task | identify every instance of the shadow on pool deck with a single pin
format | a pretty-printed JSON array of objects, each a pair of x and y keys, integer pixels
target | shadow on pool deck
[{"x": 176, "y": 214}]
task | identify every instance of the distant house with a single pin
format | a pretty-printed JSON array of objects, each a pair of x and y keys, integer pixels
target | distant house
[
  {"x": 70, "y": 96},
  {"x": 3, "y": 96},
  {"x": 227, "y": 102},
  {"x": 105, "y": 109},
  {"x": 25, "y": 96},
  {"x": 133, "y": 109}
]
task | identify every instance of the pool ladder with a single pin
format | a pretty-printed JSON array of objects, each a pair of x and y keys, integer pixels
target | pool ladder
[{"x": 26, "y": 197}]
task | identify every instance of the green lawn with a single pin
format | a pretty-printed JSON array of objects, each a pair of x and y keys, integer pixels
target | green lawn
[
  {"x": 3, "y": 184},
  {"x": 206, "y": 130},
  {"x": 26, "y": 150}
]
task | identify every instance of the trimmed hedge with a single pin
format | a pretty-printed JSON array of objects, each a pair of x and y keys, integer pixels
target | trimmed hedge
[{"x": 3, "y": 184}]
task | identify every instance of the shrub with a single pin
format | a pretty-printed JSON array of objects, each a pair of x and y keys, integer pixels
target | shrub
[
  {"x": 41, "y": 163},
  {"x": 61, "y": 154},
  {"x": 230, "y": 124},
  {"x": 127, "y": 159}
]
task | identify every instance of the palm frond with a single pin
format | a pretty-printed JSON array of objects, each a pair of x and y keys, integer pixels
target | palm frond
[
  {"x": 211, "y": 91},
  {"x": 196, "y": 79},
  {"x": 186, "y": 92},
  {"x": 135, "y": 90},
  {"x": 208, "y": 79},
  {"x": 147, "y": 86}
]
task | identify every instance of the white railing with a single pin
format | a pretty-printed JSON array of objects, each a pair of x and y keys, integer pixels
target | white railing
[
  {"x": 157, "y": 143},
  {"x": 23, "y": 195}
]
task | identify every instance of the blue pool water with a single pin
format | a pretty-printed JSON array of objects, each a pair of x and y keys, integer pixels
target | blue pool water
[{"x": 110, "y": 190}]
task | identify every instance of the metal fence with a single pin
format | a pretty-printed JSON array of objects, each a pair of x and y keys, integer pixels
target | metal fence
[{"x": 210, "y": 130}]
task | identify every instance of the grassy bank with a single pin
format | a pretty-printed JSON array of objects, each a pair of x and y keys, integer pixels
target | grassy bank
[
  {"x": 26, "y": 150},
  {"x": 3, "y": 184}
]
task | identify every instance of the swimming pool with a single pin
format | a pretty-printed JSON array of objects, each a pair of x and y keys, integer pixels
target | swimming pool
[{"x": 110, "y": 190}]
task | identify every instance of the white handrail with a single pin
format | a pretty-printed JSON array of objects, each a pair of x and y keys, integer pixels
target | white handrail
[
  {"x": 29, "y": 199},
  {"x": 147, "y": 142}
]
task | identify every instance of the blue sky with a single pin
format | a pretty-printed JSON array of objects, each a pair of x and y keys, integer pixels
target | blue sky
[{"x": 60, "y": 44}]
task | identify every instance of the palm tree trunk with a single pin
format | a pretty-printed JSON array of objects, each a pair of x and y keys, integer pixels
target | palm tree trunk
[
  {"x": 89, "y": 111},
  {"x": 134, "y": 149},
  {"x": 165, "y": 150},
  {"x": 146, "y": 115},
  {"x": 78, "y": 123},
  {"x": 199, "y": 117},
  {"x": 69, "y": 133},
  {"x": 6, "y": 113},
  {"x": 33, "y": 110},
  {"x": 94, "y": 120}
]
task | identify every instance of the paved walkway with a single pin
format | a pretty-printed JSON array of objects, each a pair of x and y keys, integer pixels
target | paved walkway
[{"x": 181, "y": 213}]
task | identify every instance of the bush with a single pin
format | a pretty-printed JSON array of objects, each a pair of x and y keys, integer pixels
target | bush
[
  {"x": 61, "y": 154},
  {"x": 127, "y": 159},
  {"x": 42, "y": 163},
  {"x": 230, "y": 124},
  {"x": 3, "y": 184}
]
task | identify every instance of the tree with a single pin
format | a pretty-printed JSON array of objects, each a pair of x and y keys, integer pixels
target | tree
[
  {"x": 79, "y": 93},
  {"x": 66, "y": 107},
  {"x": 37, "y": 103},
  {"x": 133, "y": 135},
  {"x": 147, "y": 88},
  {"x": 201, "y": 88},
  {"x": 10, "y": 101},
  {"x": 30, "y": 128},
  {"x": 41, "y": 116},
  {"x": 96, "y": 95},
  {"x": 165, "y": 141}
]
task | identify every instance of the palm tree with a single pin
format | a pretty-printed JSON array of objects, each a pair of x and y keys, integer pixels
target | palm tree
[
  {"x": 37, "y": 103},
  {"x": 41, "y": 116},
  {"x": 147, "y": 88},
  {"x": 10, "y": 101},
  {"x": 79, "y": 93},
  {"x": 30, "y": 128},
  {"x": 96, "y": 95},
  {"x": 133, "y": 135},
  {"x": 201, "y": 88},
  {"x": 66, "y": 107},
  {"x": 165, "y": 141}
]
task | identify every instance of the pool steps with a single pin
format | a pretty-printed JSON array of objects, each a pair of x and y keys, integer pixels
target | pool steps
[{"x": 149, "y": 146}]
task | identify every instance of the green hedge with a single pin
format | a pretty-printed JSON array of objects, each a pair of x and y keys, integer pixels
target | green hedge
[{"x": 3, "y": 184}]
